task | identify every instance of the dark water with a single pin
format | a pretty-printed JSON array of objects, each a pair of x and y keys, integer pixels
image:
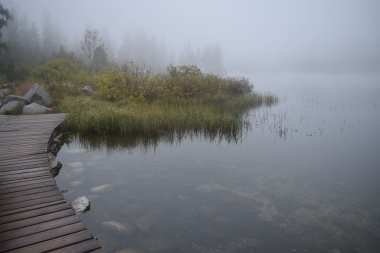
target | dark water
[{"x": 304, "y": 178}]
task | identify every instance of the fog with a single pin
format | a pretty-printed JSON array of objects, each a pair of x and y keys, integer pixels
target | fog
[{"x": 255, "y": 36}]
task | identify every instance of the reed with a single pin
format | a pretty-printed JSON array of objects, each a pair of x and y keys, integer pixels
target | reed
[{"x": 214, "y": 115}]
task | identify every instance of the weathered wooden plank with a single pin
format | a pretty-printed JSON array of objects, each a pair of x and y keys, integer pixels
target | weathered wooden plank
[
  {"x": 46, "y": 226},
  {"x": 35, "y": 163},
  {"x": 23, "y": 181},
  {"x": 35, "y": 220},
  {"x": 84, "y": 246},
  {"x": 28, "y": 208},
  {"x": 20, "y": 171},
  {"x": 41, "y": 232},
  {"x": 23, "y": 160},
  {"x": 29, "y": 175},
  {"x": 49, "y": 182},
  {"x": 29, "y": 197},
  {"x": 58, "y": 243},
  {"x": 22, "y": 153},
  {"x": 34, "y": 213},
  {"x": 30, "y": 202},
  {"x": 22, "y": 148},
  {"x": 50, "y": 188}
]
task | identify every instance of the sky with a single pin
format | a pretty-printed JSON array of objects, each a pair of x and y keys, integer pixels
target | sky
[{"x": 255, "y": 35}]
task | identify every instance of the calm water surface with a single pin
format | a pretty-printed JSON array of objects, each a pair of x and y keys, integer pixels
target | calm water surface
[{"x": 304, "y": 178}]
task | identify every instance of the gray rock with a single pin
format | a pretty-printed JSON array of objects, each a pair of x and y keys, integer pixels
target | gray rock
[
  {"x": 80, "y": 205},
  {"x": 15, "y": 98},
  {"x": 55, "y": 167},
  {"x": 37, "y": 94},
  {"x": 88, "y": 90},
  {"x": 36, "y": 109},
  {"x": 4, "y": 92},
  {"x": 51, "y": 156},
  {"x": 14, "y": 106}
]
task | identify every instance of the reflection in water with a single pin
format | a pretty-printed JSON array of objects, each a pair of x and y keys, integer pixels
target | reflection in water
[{"x": 293, "y": 181}]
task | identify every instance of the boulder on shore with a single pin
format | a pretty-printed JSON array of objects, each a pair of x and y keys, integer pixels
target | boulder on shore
[
  {"x": 88, "y": 90},
  {"x": 15, "y": 98},
  {"x": 37, "y": 94},
  {"x": 15, "y": 107},
  {"x": 36, "y": 109},
  {"x": 4, "y": 92},
  {"x": 80, "y": 205}
]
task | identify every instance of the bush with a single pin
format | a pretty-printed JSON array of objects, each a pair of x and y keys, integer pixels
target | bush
[
  {"x": 58, "y": 71},
  {"x": 238, "y": 86}
]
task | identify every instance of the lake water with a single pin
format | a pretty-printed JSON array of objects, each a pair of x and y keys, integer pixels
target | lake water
[{"x": 305, "y": 177}]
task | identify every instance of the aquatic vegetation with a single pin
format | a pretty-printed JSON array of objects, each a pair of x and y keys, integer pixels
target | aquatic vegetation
[{"x": 211, "y": 114}]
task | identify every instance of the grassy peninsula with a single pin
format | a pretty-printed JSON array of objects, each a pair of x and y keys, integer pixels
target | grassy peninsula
[{"x": 130, "y": 99}]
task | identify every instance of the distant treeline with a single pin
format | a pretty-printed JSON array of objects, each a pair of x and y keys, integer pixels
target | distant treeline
[{"x": 28, "y": 46}]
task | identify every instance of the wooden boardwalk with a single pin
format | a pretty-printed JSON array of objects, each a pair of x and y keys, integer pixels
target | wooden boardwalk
[{"x": 34, "y": 216}]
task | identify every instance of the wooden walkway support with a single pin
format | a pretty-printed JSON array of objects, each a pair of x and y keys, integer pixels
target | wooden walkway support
[{"x": 34, "y": 216}]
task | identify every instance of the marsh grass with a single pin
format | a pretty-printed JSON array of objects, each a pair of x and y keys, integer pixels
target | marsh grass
[{"x": 214, "y": 116}]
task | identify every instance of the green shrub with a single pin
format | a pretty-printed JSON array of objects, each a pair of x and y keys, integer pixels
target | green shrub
[
  {"x": 238, "y": 86},
  {"x": 58, "y": 71}
]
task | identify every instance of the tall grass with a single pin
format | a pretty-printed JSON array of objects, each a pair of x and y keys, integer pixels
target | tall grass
[{"x": 212, "y": 115}]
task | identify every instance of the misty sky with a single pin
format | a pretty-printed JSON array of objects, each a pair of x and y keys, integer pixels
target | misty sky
[{"x": 253, "y": 34}]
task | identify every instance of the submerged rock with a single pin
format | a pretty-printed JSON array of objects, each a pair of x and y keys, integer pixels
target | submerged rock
[
  {"x": 123, "y": 228},
  {"x": 76, "y": 165},
  {"x": 76, "y": 183},
  {"x": 146, "y": 222},
  {"x": 80, "y": 205},
  {"x": 78, "y": 170},
  {"x": 92, "y": 197},
  {"x": 102, "y": 188}
]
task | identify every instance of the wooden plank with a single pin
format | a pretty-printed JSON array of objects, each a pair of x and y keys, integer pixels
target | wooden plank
[
  {"x": 85, "y": 246},
  {"x": 28, "y": 192},
  {"x": 23, "y": 160},
  {"x": 20, "y": 171},
  {"x": 30, "y": 197},
  {"x": 58, "y": 243},
  {"x": 23, "y": 181},
  {"x": 46, "y": 226},
  {"x": 28, "y": 187},
  {"x": 34, "y": 164},
  {"x": 34, "y": 213},
  {"x": 28, "y": 208},
  {"x": 18, "y": 154},
  {"x": 35, "y": 220},
  {"x": 32, "y": 174},
  {"x": 22, "y": 237},
  {"x": 22, "y": 148},
  {"x": 31, "y": 202}
]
